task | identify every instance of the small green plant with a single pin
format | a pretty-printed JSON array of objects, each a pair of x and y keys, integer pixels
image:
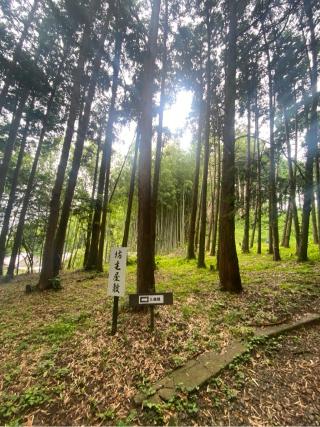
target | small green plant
[
  {"x": 56, "y": 283},
  {"x": 106, "y": 415},
  {"x": 145, "y": 386},
  {"x": 177, "y": 361}
]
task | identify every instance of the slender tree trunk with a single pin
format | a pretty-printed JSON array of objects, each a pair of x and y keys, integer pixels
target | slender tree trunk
[
  {"x": 47, "y": 271},
  {"x": 229, "y": 273},
  {"x": 90, "y": 216},
  {"x": 312, "y": 136},
  {"x": 145, "y": 268},
  {"x": 12, "y": 195},
  {"x": 292, "y": 181},
  {"x": 254, "y": 225},
  {"x": 196, "y": 241},
  {"x": 157, "y": 163},
  {"x": 204, "y": 191},
  {"x": 259, "y": 202},
  {"x": 247, "y": 199},
  {"x": 131, "y": 192},
  {"x": 95, "y": 256},
  {"x": 213, "y": 183},
  {"x": 28, "y": 191},
  {"x": 4, "y": 167},
  {"x": 273, "y": 209},
  {"x": 286, "y": 222},
  {"x": 314, "y": 222},
  {"x": 217, "y": 204},
  {"x": 195, "y": 189},
  {"x": 109, "y": 136},
  {"x": 317, "y": 207},
  {"x": 77, "y": 156}
]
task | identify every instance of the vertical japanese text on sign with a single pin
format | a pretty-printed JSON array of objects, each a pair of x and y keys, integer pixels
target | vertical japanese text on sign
[{"x": 117, "y": 271}]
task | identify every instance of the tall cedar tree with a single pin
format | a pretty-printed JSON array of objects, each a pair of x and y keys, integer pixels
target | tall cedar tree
[
  {"x": 203, "y": 211},
  {"x": 157, "y": 163},
  {"x": 47, "y": 270},
  {"x": 145, "y": 267},
  {"x": 31, "y": 179},
  {"x": 95, "y": 261},
  {"x": 229, "y": 273},
  {"x": 195, "y": 188},
  {"x": 13, "y": 188},
  {"x": 76, "y": 161},
  {"x": 131, "y": 192},
  {"x": 273, "y": 208},
  {"x": 311, "y": 137}
]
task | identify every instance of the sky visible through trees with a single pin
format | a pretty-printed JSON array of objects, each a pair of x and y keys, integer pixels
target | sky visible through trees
[{"x": 218, "y": 99}]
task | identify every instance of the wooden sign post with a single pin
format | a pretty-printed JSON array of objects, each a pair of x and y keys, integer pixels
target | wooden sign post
[
  {"x": 151, "y": 299},
  {"x": 116, "y": 282}
]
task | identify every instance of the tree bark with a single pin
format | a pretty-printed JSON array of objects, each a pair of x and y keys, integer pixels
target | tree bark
[
  {"x": 195, "y": 189},
  {"x": 27, "y": 195},
  {"x": 109, "y": 137},
  {"x": 292, "y": 180},
  {"x": 8, "y": 150},
  {"x": 204, "y": 191},
  {"x": 312, "y": 135},
  {"x": 229, "y": 273},
  {"x": 217, "y": 197},
  {"x": 247, "y": 198},
  {"x": 47, "y": 271},
  {"x": 145, "y": 268},
  {"x": 131, "y": 192},
  {"x": 273, "y": 209},
  {"x": 77, "y": 156},
  {"x": 13, "y": 188},
  {"x": 90, "y": 215},
  {"x": 157, "y": 163}
]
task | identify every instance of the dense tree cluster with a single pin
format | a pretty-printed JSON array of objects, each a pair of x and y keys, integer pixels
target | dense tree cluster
[{"x": 74, "y": 73}]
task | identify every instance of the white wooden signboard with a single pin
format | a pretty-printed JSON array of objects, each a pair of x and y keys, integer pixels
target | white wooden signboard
[{"x": 117, "y": 272}]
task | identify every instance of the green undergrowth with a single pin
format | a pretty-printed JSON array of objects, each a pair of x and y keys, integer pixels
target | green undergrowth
[{"x": 56, "y": 343}]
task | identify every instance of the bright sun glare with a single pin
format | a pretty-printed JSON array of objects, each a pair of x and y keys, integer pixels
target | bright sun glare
[{"x": 175, "y": 119}]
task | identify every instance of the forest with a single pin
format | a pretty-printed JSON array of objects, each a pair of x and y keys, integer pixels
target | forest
[{"x": 187, "y": 133}]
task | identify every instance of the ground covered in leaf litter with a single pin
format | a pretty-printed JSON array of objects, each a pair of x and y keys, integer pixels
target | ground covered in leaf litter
[{"x": 60, "y": 366}]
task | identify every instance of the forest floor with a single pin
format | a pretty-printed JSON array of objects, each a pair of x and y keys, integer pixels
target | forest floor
[{"x": 60, "y": 366}]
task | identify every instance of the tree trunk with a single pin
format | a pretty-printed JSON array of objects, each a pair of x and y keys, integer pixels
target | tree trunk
[
  {"x": 203, "y": 224},
  {"x": 47, "y": 271},
  {"x": 245, "y": 241},
  {"x": 253, "y": 233},
  {"x": 95, "y": 256},
  {"x": 145, "y": 268},
  {"x": 314, "y": 223},
  {"x": 157, "y": 163},
  {"x": 90, "y": 216},
  {"x": 131, "y": 192},
  {"x": 217, "y": 197},
  {"x": 28, "y": 191},
  {"x": 259, "y": 202},
  {"x": 292, "y": 181},
  {"x": 12, "y": 195},
  {"x": 273, "y": 209},
  {"x": 8, "y": 150},
  {"x": 229, "y": 273},
  {"x": 76, "y": 161},
  {"x": 312, "y": 135},
  {"x": 195, "y": 189},
  {"x": 109, "y": 136},
  {"x": 213, "y": 190}
]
